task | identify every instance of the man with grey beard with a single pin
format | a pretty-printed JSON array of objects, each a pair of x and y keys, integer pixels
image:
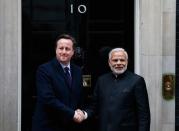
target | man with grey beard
[{"x": 120, "y": 97}]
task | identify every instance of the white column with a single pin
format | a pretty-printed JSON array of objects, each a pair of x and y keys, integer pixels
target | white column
[
  {"x": 10, "y": 59},
  {"x": 155, "y": 55},
  {"x": 149, "y": 54},
  {"x": 169, "y": 26}
]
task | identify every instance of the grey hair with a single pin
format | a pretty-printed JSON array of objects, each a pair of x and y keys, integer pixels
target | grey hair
[{"x": 118, "y": 49}]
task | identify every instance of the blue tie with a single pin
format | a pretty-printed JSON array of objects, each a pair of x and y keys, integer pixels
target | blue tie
[{"x": 69, "y": 79}]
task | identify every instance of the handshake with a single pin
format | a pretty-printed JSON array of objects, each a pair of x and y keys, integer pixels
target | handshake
[{"x": 79, "y": 116}]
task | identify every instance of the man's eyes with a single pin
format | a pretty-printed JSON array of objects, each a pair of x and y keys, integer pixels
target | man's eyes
[
  {"x": 116, "y": 60},
  {"x": 62, "y": 48}
]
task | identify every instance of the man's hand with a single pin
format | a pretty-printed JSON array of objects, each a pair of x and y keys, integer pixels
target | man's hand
[{"x": 79, "y": 116}]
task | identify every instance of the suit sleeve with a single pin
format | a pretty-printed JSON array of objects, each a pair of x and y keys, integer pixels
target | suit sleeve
[
  {"x": 46, "y": 94},
  {"x": 142, "y": 105},
  {"x": 92, "y": 108}
]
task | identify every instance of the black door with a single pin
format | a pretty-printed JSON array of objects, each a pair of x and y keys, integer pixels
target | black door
[
  {"x": 110, "y": 24},
  {"x": 97, "y": 25},
  {"x": 42, "y": 22}
]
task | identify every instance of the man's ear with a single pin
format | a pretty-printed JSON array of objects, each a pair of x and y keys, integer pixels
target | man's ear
[
  {"x": 73, "y": 52},
  {"x": 127, "y": 62}
]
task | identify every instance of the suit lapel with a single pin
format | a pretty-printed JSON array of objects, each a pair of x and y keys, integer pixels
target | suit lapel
[
  {"x": 60, "y": 72},
  {"x": 73, "y": 76}
]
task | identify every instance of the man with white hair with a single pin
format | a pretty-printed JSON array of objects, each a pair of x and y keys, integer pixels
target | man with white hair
[{"x": 120, "y": 97}]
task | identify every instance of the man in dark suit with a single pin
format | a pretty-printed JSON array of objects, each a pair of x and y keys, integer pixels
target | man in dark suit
[
  {"x": 59, "y": 90},
  {"x": 120, "y": 97}
]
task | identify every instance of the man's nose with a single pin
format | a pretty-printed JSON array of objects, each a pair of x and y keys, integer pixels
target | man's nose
[
  {"x": 118, "y": 62},
  {"x": 64, "y": 50}
]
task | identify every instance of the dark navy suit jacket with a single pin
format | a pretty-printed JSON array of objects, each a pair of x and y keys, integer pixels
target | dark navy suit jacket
[{"x": 56, "y": 100}]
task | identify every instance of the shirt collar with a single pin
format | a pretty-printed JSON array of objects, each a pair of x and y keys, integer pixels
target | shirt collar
[{"x": 63, "y": 66}]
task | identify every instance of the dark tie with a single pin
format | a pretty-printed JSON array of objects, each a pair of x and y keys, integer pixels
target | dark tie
[{"x": 69, "y": 79}]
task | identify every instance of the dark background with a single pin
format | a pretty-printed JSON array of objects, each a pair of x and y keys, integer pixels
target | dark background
[{"x": 105, "y": 25}]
